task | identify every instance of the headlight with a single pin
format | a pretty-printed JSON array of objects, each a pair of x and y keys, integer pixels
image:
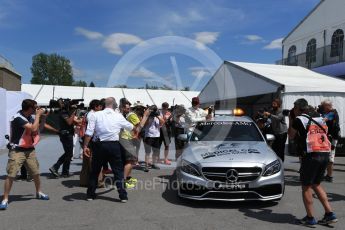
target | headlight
[
  {"x": 272, "y": 168},
  {"x": 190, "y": 168}
]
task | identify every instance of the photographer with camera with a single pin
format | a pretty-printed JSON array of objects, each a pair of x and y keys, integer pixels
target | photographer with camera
[
  {"x": 152, "y": 135},
  {"x": 67, "y": 120},
  {"x": 331, "y": 118},
  {"x": 24, "y": 137},
  {"x": 279, "y": 128},
  {"x": 310, "y": 131}
]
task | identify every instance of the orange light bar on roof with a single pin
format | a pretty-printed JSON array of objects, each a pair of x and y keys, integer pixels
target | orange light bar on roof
[{"x": 238, "y": 112}]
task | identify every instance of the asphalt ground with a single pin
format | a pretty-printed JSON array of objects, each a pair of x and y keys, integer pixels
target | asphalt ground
[{"x": 153, "y": 204}]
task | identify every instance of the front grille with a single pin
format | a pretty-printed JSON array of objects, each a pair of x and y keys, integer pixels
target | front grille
[
  {"x": 231, "y": 196},
  {"x": 218, "y": 174}
]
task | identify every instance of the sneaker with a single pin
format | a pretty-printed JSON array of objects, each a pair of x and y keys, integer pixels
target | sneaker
[
  {"x": 329, "y": 218},
  {"x": 124, "y": 199},
  {"x": 42, "y": 196},
  {"x": 90, "y": 197},
  {"x": 129, "y": 185},
  {"x": 132, "y": 180},
  {"x": 4, "y": 205},
  {"x": 309, "y": 222},
  {"x": 153, "y": 166},
  {"x": 328, "y": 178},
  {"x": 145, "y": 169},
  {"x": 54, "y": 172}
]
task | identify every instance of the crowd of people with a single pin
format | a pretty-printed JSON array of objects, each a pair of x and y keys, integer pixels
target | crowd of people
[{"x": 111, "y": 135}]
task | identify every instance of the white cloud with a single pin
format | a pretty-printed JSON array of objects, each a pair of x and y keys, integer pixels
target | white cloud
[
  {"x": 142, "y": 72},
  {"x": 253, "y": 38},
  {"x": 205, "y": 38},
  {"x": 92, "y": 35},
  {"x": 150, "y": 76},
  {"x": 200, "y": 72},
  {"x": 192, "y": 15},
  {"x": 275, "y": 44},
  {"x": 114, "y": 41}
]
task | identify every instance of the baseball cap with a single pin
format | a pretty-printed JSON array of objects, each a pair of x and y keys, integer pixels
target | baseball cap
[{"x": 195, "y": 101}]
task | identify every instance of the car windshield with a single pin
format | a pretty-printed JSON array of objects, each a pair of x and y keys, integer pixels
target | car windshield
[{"x": 226, "y": 131}]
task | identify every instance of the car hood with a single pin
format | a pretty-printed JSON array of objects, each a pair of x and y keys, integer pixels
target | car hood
[{"x": 212, "y": 151}]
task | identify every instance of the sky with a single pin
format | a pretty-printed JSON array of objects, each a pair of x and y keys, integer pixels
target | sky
[{"x": 98, "y": 35}]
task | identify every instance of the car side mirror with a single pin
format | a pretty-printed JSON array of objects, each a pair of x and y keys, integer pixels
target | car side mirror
[
  {"x": 182, "y": 137},
  {"x": 270, "y": 137}
]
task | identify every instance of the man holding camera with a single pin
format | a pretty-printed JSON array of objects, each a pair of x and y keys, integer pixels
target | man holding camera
[
  {"x": 310, "y": 131},
  {"x": 24, "y": 137},
  {"x": 279, "y": 128},
  {"x": 67, "y": 120}
]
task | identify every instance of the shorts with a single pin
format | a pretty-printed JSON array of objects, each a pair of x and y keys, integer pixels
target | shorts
[
  {"x": 165, "y": 138},
  {"x": 152, "y": 144},
  {"x": 313, "y": 167},
  {"x": 332, "y": 153},
  {"x": 179, "y": 144},
  {"x": 19, "y": 158},
  {"x": 128, "y": 150}
]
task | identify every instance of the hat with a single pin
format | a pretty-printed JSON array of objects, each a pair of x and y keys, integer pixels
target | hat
[
  {"x": 195, "y": 101},
  {"x": 138, "y": 104}
]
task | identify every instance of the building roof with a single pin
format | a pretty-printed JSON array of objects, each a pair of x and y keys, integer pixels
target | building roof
[
  {"x": 293, "y": 78},
  {"x": 43, "y": 93},
  {"x": 305, "y": 18},
  {"x": 239, "y": 79}
]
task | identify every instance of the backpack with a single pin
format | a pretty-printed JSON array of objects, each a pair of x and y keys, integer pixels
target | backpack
[{"x": 317, "y": 137}]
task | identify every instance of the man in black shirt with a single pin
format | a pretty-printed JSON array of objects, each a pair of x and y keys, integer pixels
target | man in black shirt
[
  {"x": 67, "y": 121},
  {"x": 314, "y": 163},
  {"x": 24, "y": 137}
]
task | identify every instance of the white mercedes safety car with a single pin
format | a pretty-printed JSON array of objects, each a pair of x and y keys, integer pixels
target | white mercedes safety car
[{"x": 227, "y": 158}]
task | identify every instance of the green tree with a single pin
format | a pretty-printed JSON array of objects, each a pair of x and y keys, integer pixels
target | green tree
[
  {"x": 80, "y": 83},
  {"x": 120, "y": 86},
  {"x": 92, "y": 84},
  {"x": 51, "y": 69}
]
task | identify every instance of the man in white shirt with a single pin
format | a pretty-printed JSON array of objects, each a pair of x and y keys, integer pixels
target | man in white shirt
[
  {"x": 195, "y": 113},
  {"x": 105, "y": 126}
]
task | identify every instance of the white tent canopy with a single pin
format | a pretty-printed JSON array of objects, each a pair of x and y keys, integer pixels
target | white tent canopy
[
  {"x": 43, "y": 93},
  {"x": 257, "y": 84}
]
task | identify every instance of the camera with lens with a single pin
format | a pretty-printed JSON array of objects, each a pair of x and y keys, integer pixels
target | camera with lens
[
  {"x": 154, "y": 111},
  {"x": 70, "y": 105},
  {"x": 260, "y": 115}
]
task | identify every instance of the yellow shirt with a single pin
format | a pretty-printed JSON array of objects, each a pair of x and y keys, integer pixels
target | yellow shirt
[{"x": 134, "y": 120}]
